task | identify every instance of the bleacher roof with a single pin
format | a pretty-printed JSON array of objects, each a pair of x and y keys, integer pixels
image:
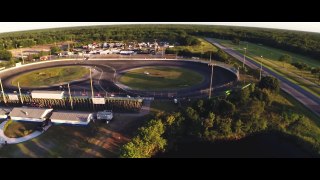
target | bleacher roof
[
  {"x": 70, "y": 116},
  {"x": 29, "y": 112}
]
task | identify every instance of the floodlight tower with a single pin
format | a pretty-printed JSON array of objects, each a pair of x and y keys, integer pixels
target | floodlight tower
[
  {"x": 244, "y": 57},
  {"x": 261, "y": 68},
  {"x": 210, "y": 88}
]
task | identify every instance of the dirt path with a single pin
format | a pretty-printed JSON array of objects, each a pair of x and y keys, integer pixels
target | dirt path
[{"x": 110, "y": 137}]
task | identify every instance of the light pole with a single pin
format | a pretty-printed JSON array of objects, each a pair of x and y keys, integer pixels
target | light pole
[
  {"x": 70, "y": 98},
  {"x": 3, "y": 96},
  {"x": 201, "y": 51},
  {"x": 21, "y": 54},
  {"x": 20, "y": 93},
  {"x": 261, "y": 67},
  {"x": 210, "y": 89},
  {"x": 244, "y": 57},
  {"x": 92, "y": 94}
]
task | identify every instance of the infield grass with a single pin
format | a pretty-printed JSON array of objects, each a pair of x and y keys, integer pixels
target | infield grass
[
  {"x": 160, "y": 78},
  {"x": 50, "y": 76}
]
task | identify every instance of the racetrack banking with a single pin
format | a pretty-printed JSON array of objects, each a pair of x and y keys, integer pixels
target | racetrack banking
[{"x": 105, "y": 79}]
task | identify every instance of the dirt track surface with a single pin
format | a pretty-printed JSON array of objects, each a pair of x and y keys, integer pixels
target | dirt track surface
[{"x": 107, "y": 72}]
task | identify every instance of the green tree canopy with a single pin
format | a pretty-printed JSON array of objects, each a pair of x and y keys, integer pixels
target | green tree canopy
[
  {"x": 55, "y": 50},
  {"x": 148, "y": 142},
  {"x": 236, "y": 41},
  {"x": 269, "y": 82},
  {"x": 226, "y": 108},
  {"x": 285, "y": 58},
  {"x": 5, "y": 55},
  {"x": 255, "y": 108}
]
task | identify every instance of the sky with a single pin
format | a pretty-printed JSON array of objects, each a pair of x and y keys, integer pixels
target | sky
[{"x": 19, "y": 26}]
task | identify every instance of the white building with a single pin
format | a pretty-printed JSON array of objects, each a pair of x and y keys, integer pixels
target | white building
[
  {"x": 29, "y": 114},
  {"x": 47, "y": 94},
  {"x": 71, "y": 117}
]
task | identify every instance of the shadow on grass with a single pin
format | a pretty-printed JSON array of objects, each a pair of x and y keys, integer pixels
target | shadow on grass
[{"x": 273, "y": 144}]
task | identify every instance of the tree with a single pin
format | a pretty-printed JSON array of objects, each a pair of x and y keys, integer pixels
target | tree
[
  {"x": 224, "y": 126},
  {"x": 55, "y": 50},
  {"x": 315, "y": 70},
  {"x": 255, "y": 108},
  {"x": 148, "y": 141},
  {"x": 285, "y": 58},
  {"x": 226, "y": 108},
  {"x": 269, "y": 82},
  {"x": 194, "y": 122},
  {"x": 236, "y": 41},
  {"x": 240, "y": 96},
  {"x": 221, "y": 56},
  {"x": 175, "y": 125},
  {"x": 263, "y": 95},
  {"x": 200, "y": 106},
  {"x": 209, "y": 121},
  {"x": 5, "y": 55},
  {"x": 238, "y": 127},
  {"x": 300, "y": 65}
]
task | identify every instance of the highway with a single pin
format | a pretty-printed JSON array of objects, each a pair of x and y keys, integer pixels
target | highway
[{"x": 308, "y": 99}]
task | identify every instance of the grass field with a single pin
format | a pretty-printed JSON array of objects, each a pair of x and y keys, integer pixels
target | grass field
[
  {"x": 269, "y": 52},
  {"x": 50, "y": 76},
  {"x": 167, "y": 106},
  {"x": 202, "y": 48},
  {"x": 270, "y": 58},
  {"x": 19, "y": 129},
  {"x": 160, "y": 78},
  {"x": 95, "y": 140}
]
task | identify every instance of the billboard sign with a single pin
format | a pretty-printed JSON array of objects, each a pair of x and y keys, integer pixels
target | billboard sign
[
  {"x": 13, "y": 97},
  {"x": 98, "y": 101}
]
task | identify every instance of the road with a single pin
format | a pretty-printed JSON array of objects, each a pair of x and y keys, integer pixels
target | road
[{"x": 308, "y": 99}]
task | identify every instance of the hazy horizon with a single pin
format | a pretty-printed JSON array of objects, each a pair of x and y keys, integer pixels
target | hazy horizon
[{"x": 22, "y": 26}]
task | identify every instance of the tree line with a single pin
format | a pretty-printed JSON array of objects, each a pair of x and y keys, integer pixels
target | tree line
[{"x": 300, "y": 42}]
